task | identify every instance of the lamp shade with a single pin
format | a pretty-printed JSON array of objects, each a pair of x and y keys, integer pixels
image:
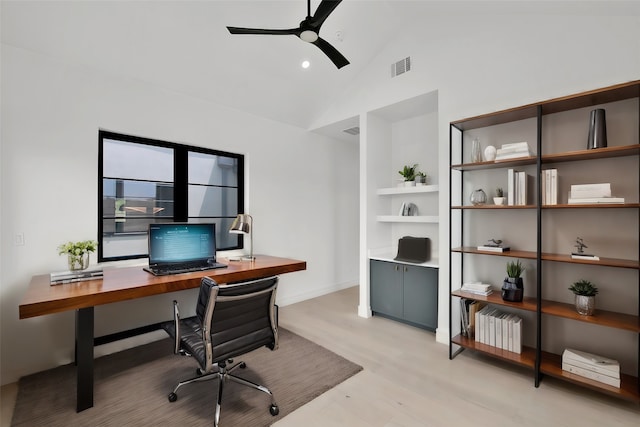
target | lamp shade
[{"x": 241, "y": 225}]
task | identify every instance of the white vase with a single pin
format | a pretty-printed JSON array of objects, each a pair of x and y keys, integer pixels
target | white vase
[
  {"x": 409, "y": 183},
  {"x": 490, "y": 153}
]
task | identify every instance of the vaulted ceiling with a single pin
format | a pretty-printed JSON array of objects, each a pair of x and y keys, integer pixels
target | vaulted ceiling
[{"x": 184, "y": 46}]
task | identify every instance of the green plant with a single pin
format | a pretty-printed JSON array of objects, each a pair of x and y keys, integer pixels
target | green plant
[
  {"x": 78, "y": 248},
  {"x": 499, "y": 192},
  {"x": 409, "y": 172},
  {"x": 514, "y": 269},
  {"x": 583, "y": 287}
]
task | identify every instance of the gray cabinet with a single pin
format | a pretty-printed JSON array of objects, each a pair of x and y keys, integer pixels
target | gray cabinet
[{"x": 408, "y": 293}]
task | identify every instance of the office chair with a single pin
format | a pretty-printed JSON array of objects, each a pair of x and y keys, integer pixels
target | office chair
[{"x": 230, "y": 320}]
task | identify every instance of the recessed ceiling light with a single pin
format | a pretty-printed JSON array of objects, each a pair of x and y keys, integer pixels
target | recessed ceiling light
[{"x": 305, "y": 64}]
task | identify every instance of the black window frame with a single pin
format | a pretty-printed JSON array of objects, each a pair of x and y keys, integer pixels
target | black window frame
[{"x": 180, "y": 182}]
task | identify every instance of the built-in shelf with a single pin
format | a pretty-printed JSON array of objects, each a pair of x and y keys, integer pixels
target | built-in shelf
[
  {"x": 408, "y": 190},
  {"x": 434, "y": 219}
]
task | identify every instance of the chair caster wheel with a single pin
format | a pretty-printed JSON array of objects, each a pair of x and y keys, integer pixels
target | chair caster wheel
[
  {"x": 273, "y": 410},
  {"x": 172, "y": 397},
  {"x": 243, "y": 365}
]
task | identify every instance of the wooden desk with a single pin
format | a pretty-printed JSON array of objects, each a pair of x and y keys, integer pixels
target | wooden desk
[{"x": 121, "y": 284}]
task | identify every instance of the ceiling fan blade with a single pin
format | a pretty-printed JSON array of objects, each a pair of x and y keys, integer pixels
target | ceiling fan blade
[
  {"x": 323, "y": 11},
  {"x": 238, "y": 30},
  {"x": 331, "y": 52}
]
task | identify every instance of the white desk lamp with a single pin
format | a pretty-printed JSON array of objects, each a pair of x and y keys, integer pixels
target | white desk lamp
[{"x": 242, "y": 225}]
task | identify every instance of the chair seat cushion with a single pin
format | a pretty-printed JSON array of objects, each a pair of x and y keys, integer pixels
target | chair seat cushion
[{"x": 190, "y": 339}]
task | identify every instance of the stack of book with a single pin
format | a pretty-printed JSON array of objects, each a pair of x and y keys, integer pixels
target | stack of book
[
  {"x": 592, "y": 193},
  {"x": 513, "y": 150},
  {"x": 75, "y": 276},
  {"x": 549, "y": 185},
  {"x": 517, "y": 186},
  {"x": 477, "y": 288},
  {"x": 592, "y": 366},
  {"x": 498, "y": 329}
]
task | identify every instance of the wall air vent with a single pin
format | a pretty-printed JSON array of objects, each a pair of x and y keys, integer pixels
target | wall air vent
[
  {"x": 352, "y": 131},
  {"x": 401, "y": 66}
]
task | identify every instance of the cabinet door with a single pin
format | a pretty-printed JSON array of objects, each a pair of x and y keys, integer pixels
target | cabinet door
[
  {"x": 386, "y": 288},
  {"x": 421, "y": 296}
]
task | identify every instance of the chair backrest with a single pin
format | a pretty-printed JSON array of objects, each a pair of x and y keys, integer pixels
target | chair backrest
[{"x": 237, "y": 318}]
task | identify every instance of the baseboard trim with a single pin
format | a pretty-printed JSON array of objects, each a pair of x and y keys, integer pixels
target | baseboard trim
[{"x": 318, "y": 292}]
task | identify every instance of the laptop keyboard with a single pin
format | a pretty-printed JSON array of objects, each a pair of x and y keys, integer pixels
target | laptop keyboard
[{"x": 184, "y": 268}]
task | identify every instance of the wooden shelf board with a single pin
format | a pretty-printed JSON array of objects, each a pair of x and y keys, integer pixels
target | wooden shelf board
[
  {"x": 494, "y": 207},
  {"x": 511, "y": 253},
  {"x": 599, "y": 153},
  {"x": 592, "y": 206},
  {"x": 605, "y": 262},
  {"x": 600, "y": 317},
  {"x": 558, "y": 206},
  {"x": 526, "y": 358},
  {"x": 613, "y": 93},
  {"x": 524, "y": 161},
  {"x": 551, "y": 364},
  {"x": 528, "y": 303}
]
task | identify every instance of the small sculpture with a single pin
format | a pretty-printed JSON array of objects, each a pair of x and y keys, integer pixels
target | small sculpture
[
  {"x": 493, "y": 243},
  {"x": 580, "y": 245}
]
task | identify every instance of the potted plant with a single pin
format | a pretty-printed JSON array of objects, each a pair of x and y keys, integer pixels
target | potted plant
[
  {"x": 421, "y": 178},
  {"x": 78, "y": 253},
  {"x": 585, "y": 293},
  {"x": 499, "y": 198},
  {"x": 513, "y": 287},
  {"x": 409, "y": 175}
]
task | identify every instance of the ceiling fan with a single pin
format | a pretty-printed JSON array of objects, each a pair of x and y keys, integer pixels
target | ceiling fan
[{"x": 307, "y": 31}]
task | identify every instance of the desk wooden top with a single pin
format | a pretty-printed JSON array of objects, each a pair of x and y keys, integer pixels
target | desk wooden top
[{"x": 120, "y": 284}]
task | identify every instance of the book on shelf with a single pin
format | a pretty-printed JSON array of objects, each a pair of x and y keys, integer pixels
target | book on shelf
[
  {"x": 510, "y": 187},
  {"x": 549, "y": 186},
  {"x": 516, "y": 334},
  {"x": 592, "y": 362},
  {"x": 596, "y": 376},
  {"x": 476, "y": 287},
  {"x": 583, "y": 191},
  {"x": 517, "y": 187},
  {"x": 585, "y": 256},
  {"x": 513, "y": 151},
  {"x": 589, "y": 200},
  {"x": 61, "y": 277},
  {"x": 494, "y": 248}
]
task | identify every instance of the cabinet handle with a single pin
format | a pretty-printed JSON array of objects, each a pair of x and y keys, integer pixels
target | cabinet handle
[
  {"x": 406, "y": 269},
  {"x": 397, "y": 268}
]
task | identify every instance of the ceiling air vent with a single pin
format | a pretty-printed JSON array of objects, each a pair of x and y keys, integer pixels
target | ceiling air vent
[
  {"x": 352, "y": 131},
  {"x": 401, "y": 66}
]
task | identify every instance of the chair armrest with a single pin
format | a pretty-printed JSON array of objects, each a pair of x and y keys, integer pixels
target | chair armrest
[{"x": 176, "y": 323}]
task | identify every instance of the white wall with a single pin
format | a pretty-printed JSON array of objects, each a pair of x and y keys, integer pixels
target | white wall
[
  {"x": 484, "y": 63},
  {"x": 51, "y": 113}
]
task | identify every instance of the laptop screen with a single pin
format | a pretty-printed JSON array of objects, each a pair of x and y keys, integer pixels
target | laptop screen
[{"x": 180, "y": 242}]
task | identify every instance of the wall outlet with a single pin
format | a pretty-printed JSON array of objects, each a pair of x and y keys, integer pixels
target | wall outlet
[{"x": 19, "y": 239}]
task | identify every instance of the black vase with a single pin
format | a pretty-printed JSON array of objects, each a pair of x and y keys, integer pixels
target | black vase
[
  {"x": 512, "y": 289},
  {"x": 597, "y": 130}
]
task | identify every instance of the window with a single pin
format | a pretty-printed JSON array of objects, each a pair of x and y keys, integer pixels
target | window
[{"x": 142, "y": 181}]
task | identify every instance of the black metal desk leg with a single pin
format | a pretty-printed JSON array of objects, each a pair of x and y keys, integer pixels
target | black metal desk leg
[{"x": 84, "y": 358}]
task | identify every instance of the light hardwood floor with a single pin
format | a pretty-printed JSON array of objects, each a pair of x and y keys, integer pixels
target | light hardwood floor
[{"x": 408, "y": 380}]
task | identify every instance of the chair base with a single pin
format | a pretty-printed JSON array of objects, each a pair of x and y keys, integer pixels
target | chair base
[{"x": 223, "y": 375}]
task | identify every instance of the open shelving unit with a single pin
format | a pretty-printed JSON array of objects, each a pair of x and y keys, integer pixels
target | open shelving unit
[{"x": 543, "y": 303}]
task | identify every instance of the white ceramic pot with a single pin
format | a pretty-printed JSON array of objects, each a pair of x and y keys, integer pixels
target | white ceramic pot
[{"x": 498, "y": 200}]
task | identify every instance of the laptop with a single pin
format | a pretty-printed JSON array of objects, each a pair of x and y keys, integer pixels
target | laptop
[{"x": 181, "y": 248}]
